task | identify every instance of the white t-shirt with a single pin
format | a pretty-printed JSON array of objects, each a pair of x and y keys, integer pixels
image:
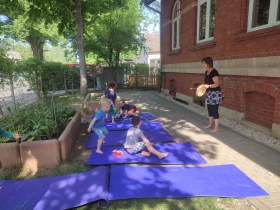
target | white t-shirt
[{"x": 132, "y": 136}]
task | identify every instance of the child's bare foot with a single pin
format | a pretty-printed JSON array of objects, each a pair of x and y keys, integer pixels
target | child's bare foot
[
  {"x": 99, "y": 151},
  {"x": 104, "y": 142},
  {"x": 163, "y": 155},
  {"x": 145, "y": 153},
  {"x": 113, "y": 122},
  {"x": 214, "y": 130},
  {"x": 208, "y": 126}
]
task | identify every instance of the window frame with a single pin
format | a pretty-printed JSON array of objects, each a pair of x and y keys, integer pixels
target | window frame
[
  {"x": 271, "y": 18},
  {"x": 207, "y": 38},
  {"x": 176, "y": 7}
]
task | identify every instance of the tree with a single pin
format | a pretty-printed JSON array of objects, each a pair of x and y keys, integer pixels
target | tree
[
  {"x": 71, "y": 16},
  {"x": 16, "y": 25},
  {"x": 115, "y": 33}
]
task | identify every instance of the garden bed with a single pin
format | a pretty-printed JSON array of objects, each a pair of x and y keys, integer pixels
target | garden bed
[
  {"x": 41, "y": 153},
  {"x": 91, "y": 102}
]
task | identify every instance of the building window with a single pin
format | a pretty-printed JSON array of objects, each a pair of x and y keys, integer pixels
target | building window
[
  {"x": 263, "y": 14},
  {"x": 176, "y": 15},
  {"x": 205, "y": 20}
]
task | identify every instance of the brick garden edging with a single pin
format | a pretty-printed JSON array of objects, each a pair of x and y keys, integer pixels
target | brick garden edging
[{"x": 43, "y": 153}]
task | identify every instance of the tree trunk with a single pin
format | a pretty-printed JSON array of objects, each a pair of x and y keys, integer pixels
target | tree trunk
[
  {"x": 37, "y": 45},
  {"x": 80, "y": 44}
]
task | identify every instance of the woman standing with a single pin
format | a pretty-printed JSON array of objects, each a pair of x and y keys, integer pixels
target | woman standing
[{"x": 214, "y": 96}]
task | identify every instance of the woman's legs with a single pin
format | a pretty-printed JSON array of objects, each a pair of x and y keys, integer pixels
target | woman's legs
[
  {"x": 216, "y": 116},
  {"x": 210, "y": 116}
]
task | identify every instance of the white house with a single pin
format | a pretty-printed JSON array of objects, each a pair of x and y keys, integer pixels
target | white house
[{"x": 150, "y": 51}]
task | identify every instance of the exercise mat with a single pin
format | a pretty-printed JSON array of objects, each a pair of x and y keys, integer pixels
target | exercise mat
[
  {"x": 125, "y": 125},
  {"x": 118, "y": 138},
  {"x": 177, "y": 154},
  {"x": 180, "y": 182},
  {"x": 58, "y": 192}
]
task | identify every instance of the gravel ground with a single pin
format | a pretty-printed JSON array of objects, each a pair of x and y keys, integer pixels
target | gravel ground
[{"x": 253, "y": 134}]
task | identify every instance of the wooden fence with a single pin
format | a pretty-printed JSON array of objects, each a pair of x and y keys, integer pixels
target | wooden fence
[{"x": 142, "y": 81}]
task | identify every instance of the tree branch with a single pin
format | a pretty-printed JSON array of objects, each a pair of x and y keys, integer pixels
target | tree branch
[{"x": 69, "y": 10}]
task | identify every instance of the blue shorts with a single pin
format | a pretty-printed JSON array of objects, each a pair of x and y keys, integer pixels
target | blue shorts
[
  {"x": 101, "y": 132},
  {"x": 139, "y": 146}
]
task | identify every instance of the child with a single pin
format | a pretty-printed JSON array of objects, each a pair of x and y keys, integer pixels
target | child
[
  {"x": 8, "y": 134},
  {"x": 97, "y": 124},
  {"x": 133, "y": 145},
  {"x": 112, "y": 96},
  {"x": 128, "y": 109}
]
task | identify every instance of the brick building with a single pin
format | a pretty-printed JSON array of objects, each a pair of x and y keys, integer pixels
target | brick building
[{"x": 243, "y": 38}]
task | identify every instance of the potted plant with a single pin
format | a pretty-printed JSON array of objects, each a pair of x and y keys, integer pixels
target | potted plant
[
  {"x": 172, "y": 92},
  {"x": 199, "y": 100}
]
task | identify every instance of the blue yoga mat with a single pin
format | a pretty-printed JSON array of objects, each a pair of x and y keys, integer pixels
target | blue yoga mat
[
  {"x": 125, "y": 125},
  {"x": 178, "y": 154},
  {"x": 118, "y": 138},
  {"x": 179, "y": 182},
  {"x": 143, "y": 116},
  {"x": 58, "y": 192}
]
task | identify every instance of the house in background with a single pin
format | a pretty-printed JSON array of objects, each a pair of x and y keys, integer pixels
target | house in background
[
  {"x": 150, "y": 51},
  {"x": 243, "y": 38}
]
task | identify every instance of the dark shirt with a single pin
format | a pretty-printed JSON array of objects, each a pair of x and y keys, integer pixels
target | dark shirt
[
  {"x": 208, "y": 79},
  {"x": 128, "y": 107},
  {"x": 112, "y": 96}
]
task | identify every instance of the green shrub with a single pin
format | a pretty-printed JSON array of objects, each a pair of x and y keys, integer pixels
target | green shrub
[{"x": 37, "y": 120}]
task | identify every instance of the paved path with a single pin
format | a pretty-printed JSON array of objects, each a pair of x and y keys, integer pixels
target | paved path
[{"x": 225, "y": 147}]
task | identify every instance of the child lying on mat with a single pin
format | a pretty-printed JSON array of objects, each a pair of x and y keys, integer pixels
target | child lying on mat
[
  {"x": 97, "y": 123},
  {"x": 128, "y": 109},
  {"x": 132, "y": 144}
]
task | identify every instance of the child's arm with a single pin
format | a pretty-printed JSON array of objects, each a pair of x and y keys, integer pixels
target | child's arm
[
  {"x": 91, "y": 124},
  {"x": 125, "y": 114},
  {"x": 145, "y": 139}
]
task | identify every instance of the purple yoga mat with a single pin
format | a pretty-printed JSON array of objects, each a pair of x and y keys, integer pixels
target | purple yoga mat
[
  {"x": 118, "y": 138},
  {"x": 178, "y": 154},
  {"x": 58, "y": 192},
  {"x": 143, "y": 116},
  {"x": 125, "y": 125},
  {"x": 180, "y": 182}
]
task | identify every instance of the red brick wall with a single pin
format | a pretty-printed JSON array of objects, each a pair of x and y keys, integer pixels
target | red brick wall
[
  {"x": 260, "y": 108},
  {"x": 232, "y": 40},
  {"x": 241, "y": 93}
]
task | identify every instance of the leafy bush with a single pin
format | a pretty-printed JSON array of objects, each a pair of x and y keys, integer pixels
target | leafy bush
[{"x": 39, "y": 119}]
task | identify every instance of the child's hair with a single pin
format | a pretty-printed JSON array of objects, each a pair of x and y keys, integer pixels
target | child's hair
[
  {"x": 105, "y": 101},
  {"x": 123, "y": 101},
  {"x": 112, "y": 85},
  {"x": 208, "y": 61},
  {"x": 135, "y": 120}
]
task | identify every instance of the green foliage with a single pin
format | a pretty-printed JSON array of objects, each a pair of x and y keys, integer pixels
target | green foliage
[
  {"x": 142, "y": 68},
  {"x": 8, "y": 69},
  {"x": 39, "y": 119},
  {"x": 115, "y": 32},
  {"x": 47, "y": 76}
]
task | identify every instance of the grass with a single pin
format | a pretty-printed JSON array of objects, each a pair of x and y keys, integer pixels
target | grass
[{"x": 74, "y": 165}]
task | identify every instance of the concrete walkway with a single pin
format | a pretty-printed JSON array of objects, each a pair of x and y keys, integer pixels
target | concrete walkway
[{"x": 225, "y": 147}]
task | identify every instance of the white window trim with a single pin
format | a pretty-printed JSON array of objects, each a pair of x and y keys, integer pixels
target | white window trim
[
  {"x": 177, "y": 19},
  {"x": 271, "y": 19},
  {"x": 200, "y": 2}
]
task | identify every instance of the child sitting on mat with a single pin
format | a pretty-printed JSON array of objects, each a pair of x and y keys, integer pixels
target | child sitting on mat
[
  {"x": 132, "y": 145},
  {"x": 128, "y": 109},
  {"x": 97, "y": 123}
]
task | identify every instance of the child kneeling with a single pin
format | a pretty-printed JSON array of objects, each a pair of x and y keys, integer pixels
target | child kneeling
[{"x": 132, "y": 144}]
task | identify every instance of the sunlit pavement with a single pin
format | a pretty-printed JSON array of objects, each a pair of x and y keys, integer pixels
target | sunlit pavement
[{"x": 225, "y": 147}]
